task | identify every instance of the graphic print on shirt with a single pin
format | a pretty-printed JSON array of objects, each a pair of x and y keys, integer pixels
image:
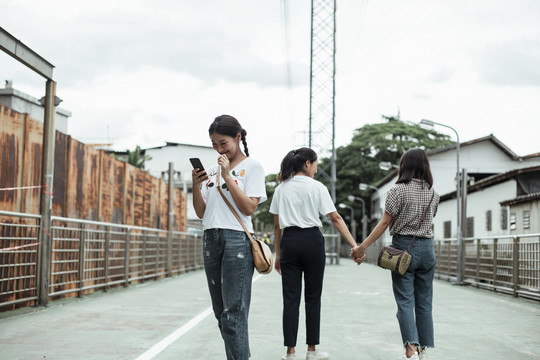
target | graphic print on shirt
[{"x": 210, "y": 183}]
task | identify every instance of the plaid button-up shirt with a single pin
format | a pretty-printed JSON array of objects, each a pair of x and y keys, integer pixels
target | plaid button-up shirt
[{"x": 406, "y": 204}]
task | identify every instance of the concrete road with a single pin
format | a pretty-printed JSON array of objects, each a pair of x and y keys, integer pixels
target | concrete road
[{"x": 171, "y": 319}]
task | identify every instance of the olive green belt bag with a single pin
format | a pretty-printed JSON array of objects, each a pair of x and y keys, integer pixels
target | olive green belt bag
[{"x": 394, "y": 259}]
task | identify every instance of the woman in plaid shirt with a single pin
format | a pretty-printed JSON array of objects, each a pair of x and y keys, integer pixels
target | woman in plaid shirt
[{"x": 408, "y": 200}]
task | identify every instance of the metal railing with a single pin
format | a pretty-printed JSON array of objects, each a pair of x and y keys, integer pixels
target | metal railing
[
  {"x": 18, "y": 258},
  {"x": 87, "y": 255},
  {"x": 509, "y": 264}
]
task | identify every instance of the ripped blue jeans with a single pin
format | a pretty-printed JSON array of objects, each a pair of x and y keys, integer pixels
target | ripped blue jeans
[
  {"x": 228, "y": 264},
  {"x": 413, "y": 292}
]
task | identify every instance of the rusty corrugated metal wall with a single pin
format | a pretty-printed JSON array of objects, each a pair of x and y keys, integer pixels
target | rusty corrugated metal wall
[{"x": 88, "y": 184}]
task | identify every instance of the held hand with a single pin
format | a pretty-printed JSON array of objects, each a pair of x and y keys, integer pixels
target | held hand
[
  {"x": 223, "y": 161},
  {"x": 358, "y": 261},
  {"x": 358, "y": 254},
  {"x": 198, "y": 176},
  {"x": 277, "y": 265}
]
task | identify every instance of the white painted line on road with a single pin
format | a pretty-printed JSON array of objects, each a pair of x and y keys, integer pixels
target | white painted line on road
[{"x": 163, "y": 344}]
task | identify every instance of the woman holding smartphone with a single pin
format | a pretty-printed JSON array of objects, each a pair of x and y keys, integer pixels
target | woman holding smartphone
[
  {"x": 298, "y": 202},
  {"x": 228, "y": 262}
]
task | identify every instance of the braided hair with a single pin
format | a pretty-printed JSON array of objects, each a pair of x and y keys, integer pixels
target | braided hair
[{"x": 228, "y": 125}]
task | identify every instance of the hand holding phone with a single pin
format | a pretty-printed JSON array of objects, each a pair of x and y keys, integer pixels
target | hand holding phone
[{"x": 196, "y": 162}]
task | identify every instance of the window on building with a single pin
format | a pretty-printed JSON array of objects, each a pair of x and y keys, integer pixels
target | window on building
[
  {"x": 469, "y": 230},
  {"x": 526, "y": 219},
  {"x": 447, "y": 229},
  {"x": 488, "y": 220},
  {"x": 512, "y": 221},
  {"x": 504, "y": 218}
]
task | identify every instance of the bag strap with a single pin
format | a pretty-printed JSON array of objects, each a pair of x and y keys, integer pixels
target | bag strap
[
  {"x": 422, "y": 219},
  {"x": 232, "y": 209}
]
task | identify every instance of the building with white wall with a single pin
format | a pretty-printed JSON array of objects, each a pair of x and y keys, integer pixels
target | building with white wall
[
  {"x": 487, "y": 211},
  {"x": 179, "y": 155},
  {"x": 524, "y": 214},
  {"x": 495, "y": 174}
]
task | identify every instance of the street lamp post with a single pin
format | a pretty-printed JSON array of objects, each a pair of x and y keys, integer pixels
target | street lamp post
[
  {"x": 459, "y": 270},
  {"x": 364, "y": 187},
  {"x": 364, "y": 216},
  {"x": 353, "y": 222}
]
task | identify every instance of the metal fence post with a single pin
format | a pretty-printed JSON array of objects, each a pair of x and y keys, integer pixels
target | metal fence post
[
  {"x": 494, "y": 271},
  {"x": 515, "y": 265},
  {"x": 143, "y": 253},
  {"x": 126, "y": 258},
  {"x": 171, "y": 219},
  {"x": 82, "y": 257},
  {"x": 107, "y": 256},
  {"x": 477, "y": 275}
]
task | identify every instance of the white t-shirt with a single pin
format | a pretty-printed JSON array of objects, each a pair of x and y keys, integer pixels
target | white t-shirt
[
  {"x": 299, "y": 201},
  {"x": 249, "y": 175}
]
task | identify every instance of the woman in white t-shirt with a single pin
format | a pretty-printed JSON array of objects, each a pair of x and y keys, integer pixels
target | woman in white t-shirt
[
  {"x": 228, "y": 262},
  {"x": 297, "y": 203}
]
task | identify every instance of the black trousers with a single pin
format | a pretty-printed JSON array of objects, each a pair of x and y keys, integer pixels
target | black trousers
[{"x": 302, "y": 252}]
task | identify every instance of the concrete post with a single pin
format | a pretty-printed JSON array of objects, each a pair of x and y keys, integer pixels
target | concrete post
[{"x": 47, "y": 172}]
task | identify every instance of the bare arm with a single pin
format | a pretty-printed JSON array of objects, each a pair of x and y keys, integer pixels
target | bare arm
[
  {"x": 381, "y": 227},
  {"x": 341, "y": 227},
  {"x": 247, "y": 205},
  {"x": 198, "y": 202},
  {"x": 277, "y": 242}
]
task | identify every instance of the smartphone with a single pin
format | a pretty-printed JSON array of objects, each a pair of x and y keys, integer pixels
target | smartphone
[{"x": 197, "y": 164}]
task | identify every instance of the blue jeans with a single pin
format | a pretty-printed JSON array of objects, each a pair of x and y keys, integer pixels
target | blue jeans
[
  {"x": 413, "y": 292},
  {"x": 228, "y": 264}
]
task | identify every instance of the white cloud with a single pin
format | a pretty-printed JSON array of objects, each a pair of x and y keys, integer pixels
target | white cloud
[{"x": 142, "y": 72}]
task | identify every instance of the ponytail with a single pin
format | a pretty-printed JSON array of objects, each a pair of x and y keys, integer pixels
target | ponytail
[{"x": 294, "y": 161}]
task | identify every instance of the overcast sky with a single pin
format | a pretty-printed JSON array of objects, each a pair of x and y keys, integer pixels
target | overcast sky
[{"x": 142, "y": 72}]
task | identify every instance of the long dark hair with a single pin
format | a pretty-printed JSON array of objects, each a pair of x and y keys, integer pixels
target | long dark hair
[
  {"x": 294, "y": 161},
  {"x": 228, "y": 125},
  {"x": 414, "y": 164}
]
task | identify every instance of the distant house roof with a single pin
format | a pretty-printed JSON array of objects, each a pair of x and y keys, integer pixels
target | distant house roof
[
  {"x": 496, "y": 179},
  {"x": 491, "y": 138},
  {"x": 505, "y": 149},
  {"x": 532, "y": 156},
  {"x": 521, "y": 199},
  {"x": 167, "y": 143}
]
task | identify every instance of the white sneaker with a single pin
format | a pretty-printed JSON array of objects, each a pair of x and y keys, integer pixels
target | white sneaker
[
  {"x": 414, "y": 357},
  {"x": 423, "y": 354},
  {"x": 288, "y": 357},
  {"x": 317, "y": 355}
]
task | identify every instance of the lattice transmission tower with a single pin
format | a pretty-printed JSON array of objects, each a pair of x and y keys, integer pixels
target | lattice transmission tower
[
  {"x": 323, "y": 85},
  {"x": 322, "y": 91}
]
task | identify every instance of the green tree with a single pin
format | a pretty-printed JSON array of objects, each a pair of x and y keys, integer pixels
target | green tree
[
  {"x": 263, "y": 215},
  {"x": 137, "y": 157},
  {"x": 359, "y": 161}
]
